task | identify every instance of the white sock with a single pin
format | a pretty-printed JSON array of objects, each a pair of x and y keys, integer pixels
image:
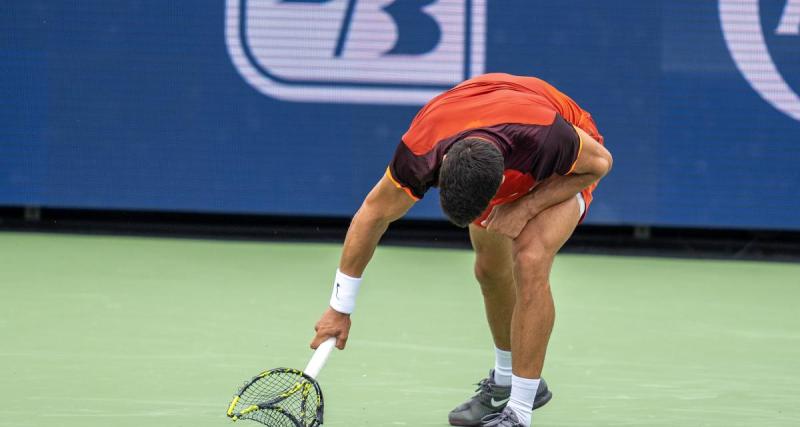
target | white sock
[
  {"x": 523, "y": 392},
  {"x": 502, "y": 367}
]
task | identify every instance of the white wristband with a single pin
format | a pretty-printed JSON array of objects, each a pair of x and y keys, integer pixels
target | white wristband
[{"x": 345, "y": 290}]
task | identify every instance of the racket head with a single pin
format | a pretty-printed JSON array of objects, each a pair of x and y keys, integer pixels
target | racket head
[{"x": 280, "y": 397}]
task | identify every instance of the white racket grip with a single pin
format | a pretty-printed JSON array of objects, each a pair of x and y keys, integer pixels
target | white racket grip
[{"x": 320, "y": 357}]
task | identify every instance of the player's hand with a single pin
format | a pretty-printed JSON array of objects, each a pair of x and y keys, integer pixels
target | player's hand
[
  {"x": 508, "y": 219},
  {"x": 332, "y": 324}
]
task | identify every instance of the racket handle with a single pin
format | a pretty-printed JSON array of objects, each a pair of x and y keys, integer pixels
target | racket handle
[{"x": 320, "y": 357}]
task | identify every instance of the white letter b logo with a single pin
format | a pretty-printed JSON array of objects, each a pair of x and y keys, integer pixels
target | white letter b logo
[{"x": 362, "y": 51}]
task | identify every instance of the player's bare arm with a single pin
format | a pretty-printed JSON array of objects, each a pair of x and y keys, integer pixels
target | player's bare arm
[
  {"x": 384, "y": 204},
  {"x": 592, "y": 164}
]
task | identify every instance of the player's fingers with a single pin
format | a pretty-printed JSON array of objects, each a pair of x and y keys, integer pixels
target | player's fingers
[
  {"x": 490, "y": 218},
  {"x": 517, "y": 230},
  {"x": 318, "y": 339},
  {"x": 341, "y": 341}
]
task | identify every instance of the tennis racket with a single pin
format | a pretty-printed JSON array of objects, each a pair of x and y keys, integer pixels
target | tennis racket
[{"x": 284, "y": 397}]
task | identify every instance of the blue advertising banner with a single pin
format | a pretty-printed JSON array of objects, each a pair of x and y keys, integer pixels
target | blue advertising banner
[{"x": 294, "y": 107}]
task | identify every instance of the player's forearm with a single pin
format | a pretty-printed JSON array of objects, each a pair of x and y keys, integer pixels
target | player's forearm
[
  {"x": 363, "y": 236},
  {"x": 365, "y": 231},
  {"x": 557, "y": 189},
  {"x": 592, "y": 164},
  {"x": 384, "y": 204}
]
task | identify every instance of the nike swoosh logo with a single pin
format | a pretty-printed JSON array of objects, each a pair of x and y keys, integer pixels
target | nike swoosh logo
[
  {"x": 497, "y": 403},
  {"x": 337, "y": 290}
]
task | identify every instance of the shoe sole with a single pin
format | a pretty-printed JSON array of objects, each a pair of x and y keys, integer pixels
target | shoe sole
[
  {"x": 542, "y": 400},
  {"x": 538, "y": 403}
]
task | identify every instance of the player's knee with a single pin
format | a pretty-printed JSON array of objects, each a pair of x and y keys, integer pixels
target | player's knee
[
  {"x": 532, "y": 257},
  {"x": 532, "y": 266},
  {"x": 484, "y": 272},
  {"x": 489, "y": 275}
]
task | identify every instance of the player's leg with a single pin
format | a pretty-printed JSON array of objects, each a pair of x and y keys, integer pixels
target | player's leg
[
  {"x": 493, "y": 270},
  {"x": 534, "y": 313}
]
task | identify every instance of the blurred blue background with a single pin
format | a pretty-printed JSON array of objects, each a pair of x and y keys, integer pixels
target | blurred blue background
[{"x": 138, "y": 105}]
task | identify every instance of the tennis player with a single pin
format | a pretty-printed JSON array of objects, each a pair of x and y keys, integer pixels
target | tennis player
[{"x": 516, "y": 161}]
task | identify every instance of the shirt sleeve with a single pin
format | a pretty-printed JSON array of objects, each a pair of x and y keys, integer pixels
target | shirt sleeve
[
  {"x": 559, "y": 150},
  {"x": 414, "y": 174}
]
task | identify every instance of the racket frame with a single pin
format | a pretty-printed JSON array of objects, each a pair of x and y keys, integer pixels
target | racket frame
[{"x": 302, "y": 386}]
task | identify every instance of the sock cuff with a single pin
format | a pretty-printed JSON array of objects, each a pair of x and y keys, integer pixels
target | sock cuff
[
  {"x": 502, "y": 367},
  {"x": 527, "y": 384},
  {"x": 503, "y": 353},
  {"x": 523, "y": 395}
]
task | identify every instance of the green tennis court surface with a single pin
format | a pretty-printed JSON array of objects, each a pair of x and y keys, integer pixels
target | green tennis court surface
[{"x": 112, "y": 331}]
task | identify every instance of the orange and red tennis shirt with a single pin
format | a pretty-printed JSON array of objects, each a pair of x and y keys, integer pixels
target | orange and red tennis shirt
[{"x": 529, "y": 120}]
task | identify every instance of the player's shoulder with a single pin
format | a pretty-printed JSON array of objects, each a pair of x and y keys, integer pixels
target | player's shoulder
[{"x": 485, "y": 100}]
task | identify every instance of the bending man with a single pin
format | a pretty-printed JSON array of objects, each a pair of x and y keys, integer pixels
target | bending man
[{"x": 516, "y": 161}]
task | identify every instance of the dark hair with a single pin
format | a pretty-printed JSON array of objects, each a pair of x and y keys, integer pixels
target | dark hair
[{"x": 469, "y": 177}]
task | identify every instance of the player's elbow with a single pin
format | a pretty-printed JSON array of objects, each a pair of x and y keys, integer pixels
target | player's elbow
[
  {"x": 375, "y": 214},
  {"x": 371, "y": 214},
  {"x": 604, "y": 162},
  {"x": 609, "y": 162}
]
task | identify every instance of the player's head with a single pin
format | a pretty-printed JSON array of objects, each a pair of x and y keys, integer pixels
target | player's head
[{"x": 469, "y": 177}]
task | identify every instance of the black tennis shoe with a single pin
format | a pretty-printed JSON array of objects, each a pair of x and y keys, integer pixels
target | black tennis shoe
[{"x": 491, "y": 399}]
